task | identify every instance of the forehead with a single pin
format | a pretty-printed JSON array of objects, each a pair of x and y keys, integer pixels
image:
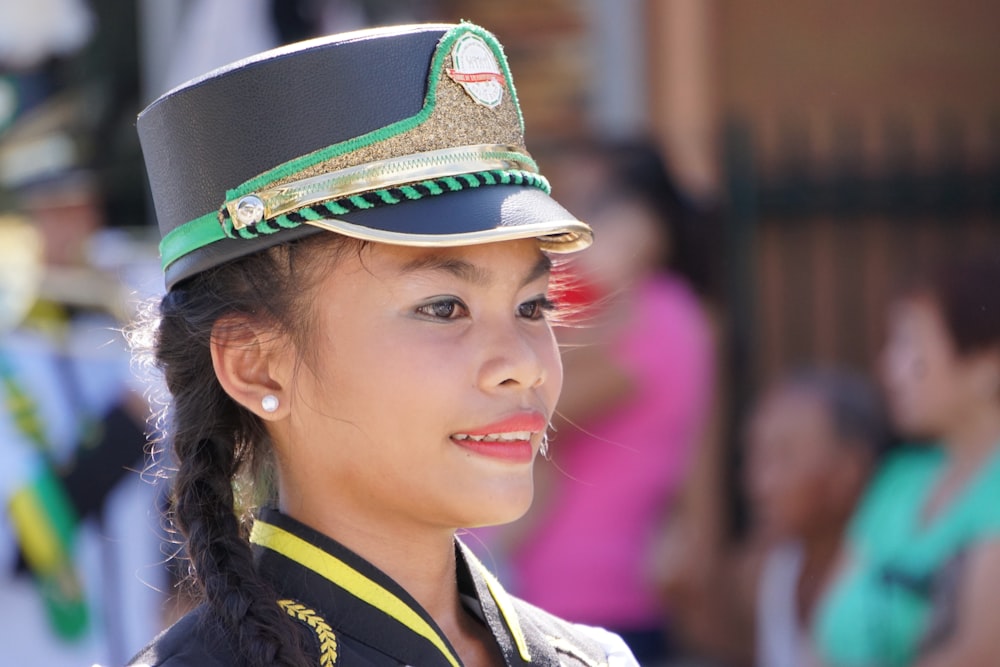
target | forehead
[
  {"x": 791, "y": 410},
  {"x": 479, "y": 264},
  {"x": 916, "y": 311}
]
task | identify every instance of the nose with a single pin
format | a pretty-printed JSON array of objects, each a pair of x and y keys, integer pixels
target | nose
[{"x": 517, "y": 358}]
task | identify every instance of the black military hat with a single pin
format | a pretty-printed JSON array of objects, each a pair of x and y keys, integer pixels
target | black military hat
[{"x": 408, "y": 135}]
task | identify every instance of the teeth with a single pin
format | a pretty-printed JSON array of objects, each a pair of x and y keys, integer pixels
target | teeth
[{"x": 495, "y": 437}]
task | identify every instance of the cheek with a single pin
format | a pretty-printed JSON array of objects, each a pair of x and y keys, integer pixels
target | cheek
[
  {"x": 768, "y": 487},
  {"x": 904, "y": 371},
  {"x": 359, "y": 375},
  {"x": 791, "y": 493},
  {"x": 552, "y": 362},
  {"x": 789, "y": 497},
  {"x": 792, "y": 507},
  {"x": 917, "y": 391}
]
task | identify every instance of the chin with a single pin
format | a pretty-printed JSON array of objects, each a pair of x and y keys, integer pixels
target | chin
[
  {"x": 911, "y": 418},
  {"x": 914, "y": 426},
  {"x": 499, "y": 519},
  {"x": 495, "y": 509}
]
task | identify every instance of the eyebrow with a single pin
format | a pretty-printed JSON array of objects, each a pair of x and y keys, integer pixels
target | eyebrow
[{"x": 469, "y": 272}]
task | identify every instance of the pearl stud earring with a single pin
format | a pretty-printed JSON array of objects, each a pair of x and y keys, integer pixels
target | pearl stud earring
[{"x": 269, "y": 403}]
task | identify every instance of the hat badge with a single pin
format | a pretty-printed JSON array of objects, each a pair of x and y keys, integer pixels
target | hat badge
[
  {"x": 477, "y": 70},
  {"x": 249, "y": 211}
]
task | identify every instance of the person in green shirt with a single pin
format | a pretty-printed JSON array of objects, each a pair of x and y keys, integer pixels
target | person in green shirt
[{"x": 917, "y": 581}]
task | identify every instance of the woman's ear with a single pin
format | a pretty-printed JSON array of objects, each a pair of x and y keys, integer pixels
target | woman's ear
[
  {"x": 252, "y": 365},
  {"x": 991, "y": 383},
  {"x": 983, "y": 372}
]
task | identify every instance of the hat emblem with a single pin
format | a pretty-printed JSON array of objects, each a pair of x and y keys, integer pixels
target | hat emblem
[
  {"x": 477, "y": 70},
  {"x": 249, "y": 210}
]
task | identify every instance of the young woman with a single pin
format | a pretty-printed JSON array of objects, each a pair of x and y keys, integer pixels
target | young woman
[{"x": 357, "y": 252}]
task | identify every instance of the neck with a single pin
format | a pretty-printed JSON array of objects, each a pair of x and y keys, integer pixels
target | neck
[
  {"x": 974, "y": 436},
  {"x": 820, "y": 549},
  {"x": 819, "y": 557},
  {"x": 421, "y": 560}
]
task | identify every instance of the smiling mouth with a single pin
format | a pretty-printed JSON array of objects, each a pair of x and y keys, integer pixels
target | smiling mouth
[
  {"x": 514, "y": 436},
  {"x": 508, "y": 439},
  {"x": 513, "y": 447}
]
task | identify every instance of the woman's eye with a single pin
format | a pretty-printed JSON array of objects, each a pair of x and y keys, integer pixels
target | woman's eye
[
  {"x": 445, "y": 309},
  {"x": 536, "y": 308}
]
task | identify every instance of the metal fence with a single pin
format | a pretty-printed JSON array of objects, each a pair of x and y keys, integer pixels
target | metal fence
[{"x": 815, "y": 244}]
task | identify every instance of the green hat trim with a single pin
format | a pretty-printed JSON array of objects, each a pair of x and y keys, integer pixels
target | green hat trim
[{"x": 206, "y": 229}]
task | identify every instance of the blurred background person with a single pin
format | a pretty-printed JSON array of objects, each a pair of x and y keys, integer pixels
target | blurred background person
[
  {"x": 920, "y": 574},
  {"x": 79, "y": 538},
  {"x": 639, "y": 367},
  {"x": 812, "y": 442}
]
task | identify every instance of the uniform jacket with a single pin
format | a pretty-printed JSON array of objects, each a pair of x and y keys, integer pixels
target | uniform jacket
[{"x": 354, "y": 614}]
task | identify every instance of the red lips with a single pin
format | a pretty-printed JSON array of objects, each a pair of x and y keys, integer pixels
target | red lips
[
  {"x": 514, "y": 451},
  {"x": 522, "y": 421}
]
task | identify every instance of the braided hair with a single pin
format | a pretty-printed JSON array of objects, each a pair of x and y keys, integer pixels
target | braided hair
[{"x": 217, "y": 443}]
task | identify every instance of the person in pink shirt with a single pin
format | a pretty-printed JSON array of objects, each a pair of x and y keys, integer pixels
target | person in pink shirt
[{"x": 639, "y": 369}]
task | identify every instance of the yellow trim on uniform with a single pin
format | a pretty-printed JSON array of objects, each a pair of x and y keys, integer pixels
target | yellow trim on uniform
[
  {"x": 504, "y": 603},
  {"x": 340, "y": 573}
]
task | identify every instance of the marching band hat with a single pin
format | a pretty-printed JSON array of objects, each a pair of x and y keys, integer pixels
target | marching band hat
[{"x": 408, "y": 135}]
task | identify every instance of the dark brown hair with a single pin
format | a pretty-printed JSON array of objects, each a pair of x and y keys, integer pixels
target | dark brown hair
[
  {"x": 966, "y": 290},
  {"x": 855, "y": 408},
  {"x": 216, "y": 441}
]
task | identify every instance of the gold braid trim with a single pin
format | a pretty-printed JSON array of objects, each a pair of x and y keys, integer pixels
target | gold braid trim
[{"x": 324, "y": 633}]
